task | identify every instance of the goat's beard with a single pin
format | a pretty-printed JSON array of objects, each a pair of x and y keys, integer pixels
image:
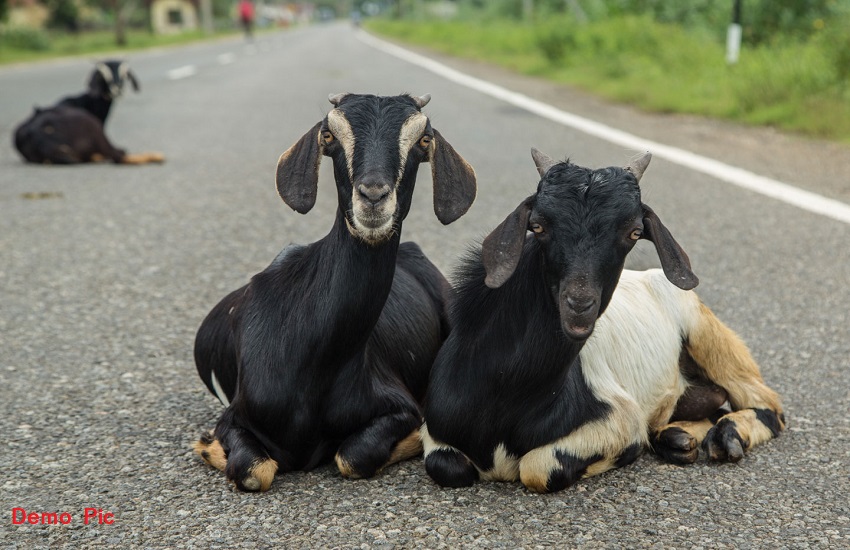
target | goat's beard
[
  {"x": 373, "y": 236},
  {"x": 373, "y": 225}
]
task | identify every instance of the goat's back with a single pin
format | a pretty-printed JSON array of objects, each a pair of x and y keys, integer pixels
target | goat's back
[{"x": 60, "y": 135}]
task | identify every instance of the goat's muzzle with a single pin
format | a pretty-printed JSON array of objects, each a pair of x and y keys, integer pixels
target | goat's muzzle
[
  {"x": 579, "y": 309},
  {"x": 373, "y": 211}
]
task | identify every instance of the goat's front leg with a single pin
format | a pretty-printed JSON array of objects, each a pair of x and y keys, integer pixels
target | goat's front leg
[
  {"x": 446, "y": 465},
  {"x": 593, "y": 448},
  {"x": 756, "y": 415},
  {"x": 237, "y": 452},
  {"x": 383, "y": 441}
]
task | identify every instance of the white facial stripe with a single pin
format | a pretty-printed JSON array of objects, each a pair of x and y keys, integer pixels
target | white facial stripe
[
  {"x": 410, "y": 133},
  {"x": 341, "y": 129}
]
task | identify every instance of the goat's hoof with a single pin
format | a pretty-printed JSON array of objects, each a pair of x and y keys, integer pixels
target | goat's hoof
[
  {"x": 450, "y": 468},
  {"x": 346, "y": 469},
  {"x": 724, "y": 443},
  {"x": 259, "y": 476},
  {"x": 211, "y": 451},
  {"x": 675, "y": 445}
]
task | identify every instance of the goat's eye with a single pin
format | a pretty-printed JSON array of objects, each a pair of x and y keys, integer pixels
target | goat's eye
[
  {"x": 425, "y": 141},
  {"x": 537, "y": 228},
  {"x": 327, "y": 136},
  {"x": 636, "y": 234}
]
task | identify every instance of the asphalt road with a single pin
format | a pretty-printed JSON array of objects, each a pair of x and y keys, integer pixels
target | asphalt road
[{"x": 105, "y": 278}]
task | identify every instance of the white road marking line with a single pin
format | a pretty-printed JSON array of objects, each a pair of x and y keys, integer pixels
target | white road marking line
[
  {"x": 182, "y": 72},
  {"x": 226, "y": 58},
  {"x": 775, "y": 189}
]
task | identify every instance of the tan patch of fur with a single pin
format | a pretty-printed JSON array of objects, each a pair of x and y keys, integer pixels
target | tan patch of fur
[
  {"x": 143, "y": 158},
  {"x": 750, "y": 428},
  {"x": 727, "y": 361},
  {"x": 608, "y": 436},
  {"x": 97, "y": 157},
  {"x": 345, "y": 468},
  {"x": 696, "y": 429},
  {"x": 261, "y": 474},
  {"x": 535, "y": 467},
  {"x": 505, "y": 466},
  {"x": 600, "y": 467},
  {"x": 212, "y": 453},
  {"x": 341, "y": 129},
  {"x": 664, "y": 412},
  {"x": 408, "y": 447}
]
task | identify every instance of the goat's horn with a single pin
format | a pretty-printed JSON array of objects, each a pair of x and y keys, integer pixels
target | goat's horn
[
  {"x": 543, "y": 161},
  {"x": 422, "y": 100},
  {"x": 638, "y": 166},
  {"x": 336, "y": 98}
]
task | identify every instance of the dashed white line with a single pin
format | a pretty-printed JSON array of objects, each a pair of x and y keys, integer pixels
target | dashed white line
[
  {"x": 182, "y": 72},
  {"x": 745, "y": 179},
  {"x": 226, "y": 58}
]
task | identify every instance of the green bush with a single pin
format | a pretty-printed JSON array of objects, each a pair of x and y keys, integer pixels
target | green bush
[
  {"x": 555, "y": 39},
  {"x": 23, "y": 38}
]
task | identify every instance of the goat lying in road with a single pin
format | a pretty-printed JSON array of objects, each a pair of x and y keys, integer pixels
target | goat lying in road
[
  {"x": 327, "y": 352},
  {"x": 520, "y": 389},
  {"x": 71, "y": 132}
]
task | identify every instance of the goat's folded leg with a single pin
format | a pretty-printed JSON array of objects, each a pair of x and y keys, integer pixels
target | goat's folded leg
[
  {"x": 447, "y": 466},
  {"x": 591, "y": 449},
  {"x": 239, "y": 454},
  {"x": 679, "y": 442},
  {"x": 142, "y": 158},
  {"x": 383, "y": 441},
  {"x": 724, "y": 359},
  {"x": 696, "y": 411}
]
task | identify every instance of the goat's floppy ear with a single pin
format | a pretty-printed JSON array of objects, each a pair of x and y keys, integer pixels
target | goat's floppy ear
[
  {"x": 502, "y": 248},
  {"x": 133, "y": 81},
  {"x": 297, "y": 177},
  {"x": 674, "y": 260},
  {"x": 454, "y": 181}
]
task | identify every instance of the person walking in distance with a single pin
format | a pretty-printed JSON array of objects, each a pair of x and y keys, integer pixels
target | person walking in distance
[{"x": 246, "y": 16}]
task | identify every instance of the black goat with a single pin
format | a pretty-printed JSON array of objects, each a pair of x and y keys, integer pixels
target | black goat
[
  {"x": 328, "y": 350},
  {"x": 72, "y": 131},
  {"x": 520, "y": 389}
]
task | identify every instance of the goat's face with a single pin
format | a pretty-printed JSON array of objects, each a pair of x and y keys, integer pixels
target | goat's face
[
  {"x": 585, "y": 223},
  {"x": 108, "y": 79},
  {"x": 376, "y": 145}
]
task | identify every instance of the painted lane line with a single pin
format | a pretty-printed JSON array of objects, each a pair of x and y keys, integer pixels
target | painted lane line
[
  {"x": 745, "y": 179},
  {"x": 182, "y": 72},
  {"x": 226, "y": 58}
]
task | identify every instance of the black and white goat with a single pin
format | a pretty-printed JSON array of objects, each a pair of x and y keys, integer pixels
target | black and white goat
[
  {"x": 327, "y": 352},
  {"x": 72, "y": 131},
  {"x": 535, "y": 383}
]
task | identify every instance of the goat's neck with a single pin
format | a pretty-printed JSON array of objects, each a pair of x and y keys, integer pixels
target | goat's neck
[
  {"x": 546, "y": 353},
  {"x": 97, "y": 105},
  {"x": 357, "y": 281}
]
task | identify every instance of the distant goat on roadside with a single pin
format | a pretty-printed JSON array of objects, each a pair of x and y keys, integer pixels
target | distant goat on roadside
[
  {"x": 326, "y": 353},
  {"x": 72, "y": 131},
  {"x": 561, "y": 365}
]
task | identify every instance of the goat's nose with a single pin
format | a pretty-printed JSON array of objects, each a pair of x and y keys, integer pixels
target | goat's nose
[
  {"x": 580, "y": 305},
  {"x": 373, "y": 193}
]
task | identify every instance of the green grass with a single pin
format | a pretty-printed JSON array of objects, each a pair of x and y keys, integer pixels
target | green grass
[
  {"x": 801, "y": 87},
  {"x": 21, "y": 45}
]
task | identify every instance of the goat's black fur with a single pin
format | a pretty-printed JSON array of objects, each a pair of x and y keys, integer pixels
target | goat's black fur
[
  {"x": 328, "y": 350},
  {"x": 72, "y": 131}
]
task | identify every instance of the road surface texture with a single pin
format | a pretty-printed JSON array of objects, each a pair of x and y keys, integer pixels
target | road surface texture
[{"x": 106, "y": 272}]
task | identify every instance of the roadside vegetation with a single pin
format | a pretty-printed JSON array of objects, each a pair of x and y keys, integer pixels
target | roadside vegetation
[
  {"x": 23, "y": 44},
  {"x": 664, "y": 56}
]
